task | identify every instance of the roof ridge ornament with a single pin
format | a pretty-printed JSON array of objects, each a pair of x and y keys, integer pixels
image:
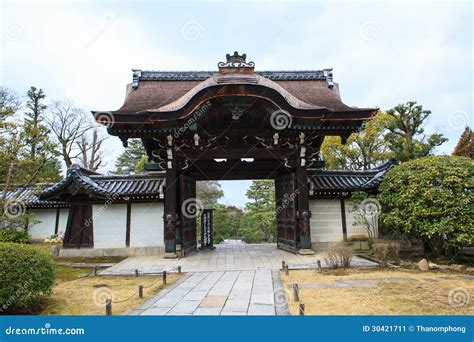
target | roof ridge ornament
[{"x": 236, "y": 61}]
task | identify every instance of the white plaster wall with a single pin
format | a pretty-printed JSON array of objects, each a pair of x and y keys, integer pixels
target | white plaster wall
[
  {"x": 354, "y": 226},
  {"x": 109, "y": 225},
  {"x": 326, "y": 220},
  {"x": 63, "y": 215},
  {"x": 45, "y": 228},
  {"x": 146, "y": 225}
]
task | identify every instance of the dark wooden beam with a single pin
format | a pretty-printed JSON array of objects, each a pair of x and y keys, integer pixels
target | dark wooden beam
[
  {"x": 127, "y": 228},
  {"x": 343, "y": 218}
]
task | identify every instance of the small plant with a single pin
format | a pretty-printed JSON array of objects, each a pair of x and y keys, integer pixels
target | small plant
[
  {"x": 54, "y": 239},
  {"x": 339, "y": 256},
  {"x": 385, "y": 251}
]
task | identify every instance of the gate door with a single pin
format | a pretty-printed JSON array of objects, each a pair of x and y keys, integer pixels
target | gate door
[
  {"x": 285, "y": 198},
  {"x": 189, "y": 211}
]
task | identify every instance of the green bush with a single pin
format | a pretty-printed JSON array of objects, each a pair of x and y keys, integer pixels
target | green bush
[
  {"x": 13, "y": 235},
  {"x": 431, "y": 199},
  {"x": 26, "y": 274}
]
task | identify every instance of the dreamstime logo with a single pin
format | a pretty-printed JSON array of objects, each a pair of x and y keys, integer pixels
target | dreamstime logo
[
  {"x": 192, "y": 30},
  {"x": 458, "y": 119},
  {"x": 370, "y": 208},
  {"x": 14, "y": 208},
  {"x": 191, "y": 207},
  {"x": 280, "y": 119},
  {"x": 369, "y": 30},
  {"x": 105, "y": 118},
  {"x": 281, "y": 296},
  {"x": 458, "y": 297},
  {"x": 13, "y": 31},
  {"x": 100, "y": 296}
]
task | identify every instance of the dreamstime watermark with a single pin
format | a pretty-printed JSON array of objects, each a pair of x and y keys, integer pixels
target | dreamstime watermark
[
  {"x": 101, "y": 210},
  {"x": 101, "y": 295},
  {"x": 369, "y": 30},
  {"x": 280, "y": 119},
  {"x": 109, "y": 20},
  {"x": 192, "y": 30},
  {"x": 287, "y": 200},
  {"x": 458, "y": 297},
  {"x": 45, "y": 330},
  {"x": 24, "y": 288},
  {"x": 14, "y": 208},
  {"x": 192, "y": 120},
  {"x": 13, "y": 31},
  {"x": 458, "y": 119},
  {"x": 370, "y": 208},
  {"x": 281, "y": 296},
  {"x": 105, "y": 118},
  {"x": 191, "y": 207}
]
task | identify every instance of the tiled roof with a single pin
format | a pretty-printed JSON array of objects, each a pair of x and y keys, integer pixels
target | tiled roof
[
  {"x": 80, "y": 181},
  {"x": 334, "y": 181},
  {"x": 203, "y": 75},
  {"x": 29, "y": 196}
]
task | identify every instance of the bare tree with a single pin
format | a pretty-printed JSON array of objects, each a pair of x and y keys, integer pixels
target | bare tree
[
  {"x": 91, "y": 150},
  {"x": 69, "y": 124}
]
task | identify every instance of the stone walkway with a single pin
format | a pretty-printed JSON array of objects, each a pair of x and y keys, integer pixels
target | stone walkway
[
  {"x": 239, "y": 257},
  {"x": 248, "y": 292}
]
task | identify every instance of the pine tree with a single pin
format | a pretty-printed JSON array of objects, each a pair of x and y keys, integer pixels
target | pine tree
[
  {"x": 128, "y": 161},
  {"x": 465, "y": 145},
  {"x": 406, "y": 136}
]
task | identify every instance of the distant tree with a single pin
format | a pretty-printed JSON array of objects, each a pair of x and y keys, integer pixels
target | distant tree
[
  {"x": 10, "y": 103},
  {"x": 465, "y": 145},
  {"x": 133, "y": 155},
  {"x": 226, "y": 222},
  {"x": 258, "y": 222},
  {"x": 209, "y": 192},
  {"x": 363, "y": 150},
  {"x": 406, "y": 136},
  {"x": 69, "y": 124},
  {"x": 91, "y": 148}
]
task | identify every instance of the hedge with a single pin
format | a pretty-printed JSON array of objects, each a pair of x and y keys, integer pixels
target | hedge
[{"x": 26, "y": 275}]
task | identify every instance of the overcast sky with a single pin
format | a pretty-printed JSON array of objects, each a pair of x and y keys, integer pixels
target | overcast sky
[{"x": 382, "y": 53}]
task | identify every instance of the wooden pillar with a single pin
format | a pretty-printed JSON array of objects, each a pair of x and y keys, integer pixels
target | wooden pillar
[
  {"x": 127, "y": 228},
  {"x": 56, "y": 224},
  {"x": 303, "y": 213},
  {"x": 343, "y": 218},
  {"x": 170, "y": 213}
]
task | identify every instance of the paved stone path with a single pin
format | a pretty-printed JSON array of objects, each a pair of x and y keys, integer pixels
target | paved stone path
[
  {"x": 248, "y": 292},
  {"x": 239, "y": 257}
]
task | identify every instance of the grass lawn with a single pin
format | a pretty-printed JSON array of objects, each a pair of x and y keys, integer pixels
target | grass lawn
[
  {"x": 77, "y": 293},
  {"x": 416, "y": 297}
]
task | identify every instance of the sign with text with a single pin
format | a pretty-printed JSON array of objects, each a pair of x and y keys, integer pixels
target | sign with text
[{"x": 207, "y": 229}]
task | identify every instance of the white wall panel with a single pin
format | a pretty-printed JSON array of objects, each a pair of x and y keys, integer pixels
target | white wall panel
[
  {"x": 326, "y": 220},
  {"x": 109, "y": 225},
  {"x": 64, "y": 213},
  {"x": 354, "y": 225},
  {"x": 146, "y": 225},
  {"x": 45, "y": 228}
]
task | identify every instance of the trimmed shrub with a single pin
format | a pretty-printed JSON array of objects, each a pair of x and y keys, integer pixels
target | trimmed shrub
[
  {"x": 13, "y": 235},
  {"x": 26, "y": 274},
  {"x": 431, "y": 199},
  {"x": 339, "y": 256}
]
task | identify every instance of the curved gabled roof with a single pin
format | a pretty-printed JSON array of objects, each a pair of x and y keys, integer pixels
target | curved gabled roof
[{"x": 80, "y": 181}]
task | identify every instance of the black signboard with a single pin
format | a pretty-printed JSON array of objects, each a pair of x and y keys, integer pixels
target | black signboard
[{"x": 206, "y": 229}]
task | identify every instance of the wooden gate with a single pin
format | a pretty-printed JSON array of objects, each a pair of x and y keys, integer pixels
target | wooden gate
[
  {"x": 188, "y": 206},
  {"x": 285, "y": 198}
]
